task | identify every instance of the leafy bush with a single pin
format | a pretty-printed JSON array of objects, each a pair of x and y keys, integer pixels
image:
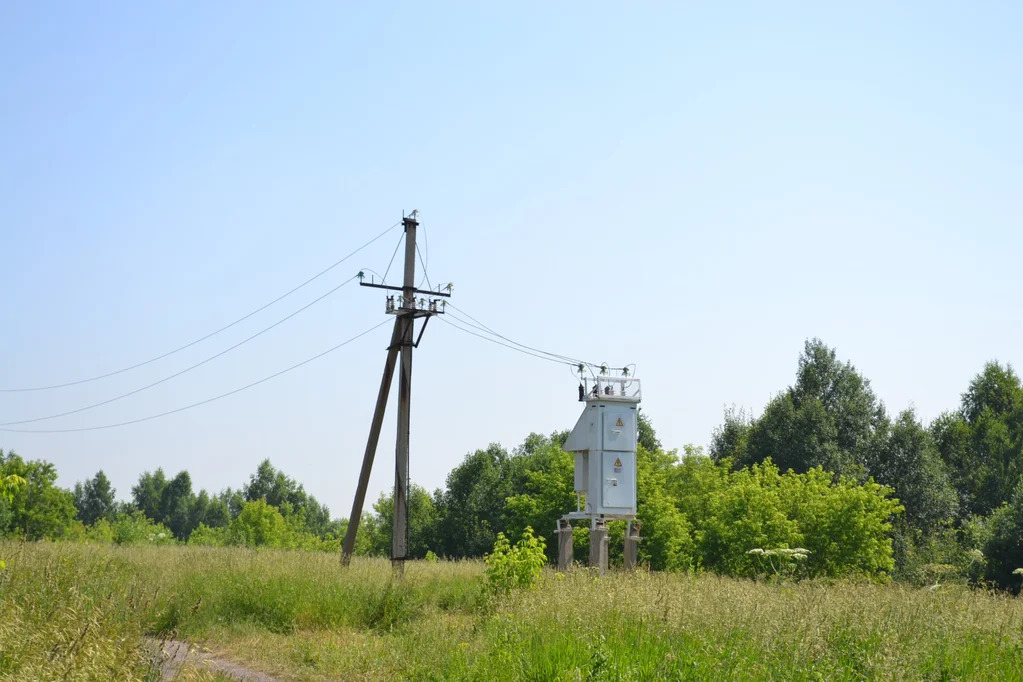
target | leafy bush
[
  {"x": 137, "y": 529},
  {"x": 1004, "y": 546},
  {"x": 520, "y": 565},
  {"x": 204, "y": 536},
  {"x": 947, "y": 554},
  {"x": 844, "y": 525},
  {"x": 259, "y": 525}
]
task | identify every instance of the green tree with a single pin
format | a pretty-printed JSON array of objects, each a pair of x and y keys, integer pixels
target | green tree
[
  {"x": 277, "y": 489},
  {"x": 982, "y": 443},
  {"x": 368, "y": 541},
  {"x": 38, "y": 509},
  {"x": 423, "y": 518},
  {"x": 829, "y": 418},
  {"x": 545, "y": 490},
  {"x": 147, "y": 494},
  {"x": 645, "y": 433},
  {"x": 259, "y": 525},
  {"x": 908, "y": 461},
  {"x": 210, "y": 511},
  {"x": 176, "y": 503},
  {"x": 94, "y": 499},
  {"x": 729, "y": 440},
  {"x": 1004, "y": 546},
  {"x": 233, "y": 499},
  {"x": 996, "y": 388},
  {"x": 473, "y": 504},
  {"x": 667, "y": 533}
]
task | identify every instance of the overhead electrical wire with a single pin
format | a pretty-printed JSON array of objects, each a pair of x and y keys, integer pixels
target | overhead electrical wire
[
  {"x": 185, "y": 370},
  {"x": 426, "y": 277},
  {"x": 383, "y": 280},
  {"x": 482, "y": 327},
  {"x": 211, "y": 334},
  {"x": 424, "y": 261},
  {"x": 506, "y": 345},
  {"x": 521, "y": 347},
  {"x": 208, "y": 400}
]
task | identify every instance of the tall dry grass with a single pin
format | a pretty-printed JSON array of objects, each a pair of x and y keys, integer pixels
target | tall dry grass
[{"x": 83, "y": 611}]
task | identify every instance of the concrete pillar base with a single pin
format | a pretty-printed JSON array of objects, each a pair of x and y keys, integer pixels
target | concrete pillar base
[
  {"x": 631, "y": 545},
  {"x": 565, "y": 549},
  {"x": 598, "y": 546}
]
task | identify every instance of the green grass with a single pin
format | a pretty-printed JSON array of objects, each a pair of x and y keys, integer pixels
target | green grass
[{"x": 81, "y": 612}]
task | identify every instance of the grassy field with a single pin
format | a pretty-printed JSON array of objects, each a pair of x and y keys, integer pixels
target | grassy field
[{"x": 83, "y": 612}]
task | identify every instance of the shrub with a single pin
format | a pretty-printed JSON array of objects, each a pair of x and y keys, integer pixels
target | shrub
[
  {"x": 1004, "y": 546},
  {"x": 259, "y": 525},
  {"x": 138, "y": 529},
  {"x": 101, "y": 531},
  {"x": 845, "y": 525},
  {"x": 204, "y": 536},
  {"x": 520, "y": 565}
]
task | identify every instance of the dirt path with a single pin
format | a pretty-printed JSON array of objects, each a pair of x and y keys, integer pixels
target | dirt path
[{"x": 174, "y": 655}]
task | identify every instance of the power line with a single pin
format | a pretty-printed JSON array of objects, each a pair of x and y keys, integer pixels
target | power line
[
  {"x": 187, "y": 369},
  {"x": 426, "y": 277},
  {"x": 426, "y": 245},
  {"x": 484, "y": 328},
  {"x": 506, "y": 345},
  {"x": 383, "y": 280},
  {"x": 211, "y": 334},
  {"x": 208, "y": 400}
]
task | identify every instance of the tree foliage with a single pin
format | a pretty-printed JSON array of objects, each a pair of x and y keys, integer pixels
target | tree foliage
[
  {"x": 982, "y": 442},
  {"x": 423, "y": 522},
  {"x": 474, "y": 502},
  {"x": 830, "y": 418},
  {"x": 277, "y": 490},
  {"x": 823, "y": 479},
  {"x": 1004, "y": 545},
  {"x": 515, "y": 566},
  {"x": 37, "y": 509},
  {"x": 94, "y": 499}
]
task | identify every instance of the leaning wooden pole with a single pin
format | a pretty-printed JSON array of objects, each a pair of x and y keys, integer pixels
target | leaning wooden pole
[{"x": 348, "y": 548}]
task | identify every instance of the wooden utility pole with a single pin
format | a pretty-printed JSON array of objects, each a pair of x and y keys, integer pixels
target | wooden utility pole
[
  {"x": 348, "y": 548},
  {"x": 399, "y": 531},
  {"x": 402, "y": 344}
]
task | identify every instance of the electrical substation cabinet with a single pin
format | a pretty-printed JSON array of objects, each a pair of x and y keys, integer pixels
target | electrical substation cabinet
[{"x": 604, "y": 443}]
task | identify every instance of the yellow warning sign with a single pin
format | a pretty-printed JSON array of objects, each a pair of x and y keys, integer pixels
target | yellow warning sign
[
  {"x": 619, "y": 422},
  {"x": 618, "y": 461}
]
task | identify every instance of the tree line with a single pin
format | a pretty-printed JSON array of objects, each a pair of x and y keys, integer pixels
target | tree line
[
  {"x": 823, "y": 468},
  {"x": 271, "y": 509}
]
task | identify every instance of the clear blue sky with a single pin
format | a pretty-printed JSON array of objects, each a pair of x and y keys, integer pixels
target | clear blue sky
[{"x": 694, "y": 189}]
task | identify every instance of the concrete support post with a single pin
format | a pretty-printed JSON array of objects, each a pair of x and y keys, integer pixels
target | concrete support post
[
  {"x": 564, "y": 533},
  {"x": 631, "y": 545},
  {"x": 598, "y": 546}
]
